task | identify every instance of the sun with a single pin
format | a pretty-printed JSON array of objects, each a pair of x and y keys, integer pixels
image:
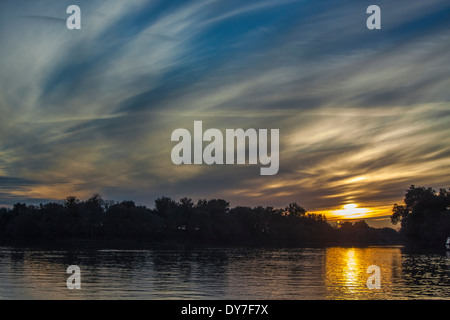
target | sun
[{"x": 351, "y": 211}]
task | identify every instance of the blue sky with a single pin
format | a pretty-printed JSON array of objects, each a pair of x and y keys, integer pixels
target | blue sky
[{"x": 362, "y": 113}]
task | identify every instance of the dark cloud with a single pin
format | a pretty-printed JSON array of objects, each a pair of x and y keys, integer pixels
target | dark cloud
[
  {"x": 13, "y": 183},
  {"x": 47, "y": 19},
  {"x": 362, "y": 114}
]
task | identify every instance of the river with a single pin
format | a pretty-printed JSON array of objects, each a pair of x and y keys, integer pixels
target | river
[{"x": 225, "y": 273}]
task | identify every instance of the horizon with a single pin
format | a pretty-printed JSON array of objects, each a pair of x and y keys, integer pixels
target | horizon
[
  {"x": 362, "y": 114},
  {"x": 331, "y": 217}
]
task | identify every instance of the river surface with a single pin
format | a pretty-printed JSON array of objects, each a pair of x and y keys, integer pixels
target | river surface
[{"x": 225, "y": 273}]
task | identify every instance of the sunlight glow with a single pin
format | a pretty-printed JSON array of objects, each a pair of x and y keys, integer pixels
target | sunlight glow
[
  {"x": 351, "y": 269},
  {"x": 351, "y": 211}
]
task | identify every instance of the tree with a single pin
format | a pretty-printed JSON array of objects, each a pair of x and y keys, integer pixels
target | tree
[
  {"x": 425, "y": 216},
  {"x": 164, "y": 206},
  {"x": 295, "y": 211}
]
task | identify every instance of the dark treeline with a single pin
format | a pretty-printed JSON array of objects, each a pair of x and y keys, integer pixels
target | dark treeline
[
  {"x": 424, "y": 217},
  {"x": 207, "y": 222}
]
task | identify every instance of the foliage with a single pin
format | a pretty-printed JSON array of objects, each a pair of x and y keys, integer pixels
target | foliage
[
  {"x": 424, "y": 217},
  {"x": 208, "y": 222}
]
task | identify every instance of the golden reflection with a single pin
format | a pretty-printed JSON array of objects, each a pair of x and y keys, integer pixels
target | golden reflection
[
  {"x": 346, "y": 271},
  {"x": 351, "y": 269}
]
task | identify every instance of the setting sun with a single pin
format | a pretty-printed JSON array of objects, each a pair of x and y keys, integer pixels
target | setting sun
[{"x": 351, "y": 211}]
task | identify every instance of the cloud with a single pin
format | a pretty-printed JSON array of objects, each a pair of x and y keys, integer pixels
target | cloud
[{"x": 362, "y": 114}]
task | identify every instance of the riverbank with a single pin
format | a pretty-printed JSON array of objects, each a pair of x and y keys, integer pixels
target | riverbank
[{"x": 134, "y": 244}]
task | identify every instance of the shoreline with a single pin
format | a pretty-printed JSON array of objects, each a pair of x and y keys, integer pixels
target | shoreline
[{"x": 131, "y": 244}]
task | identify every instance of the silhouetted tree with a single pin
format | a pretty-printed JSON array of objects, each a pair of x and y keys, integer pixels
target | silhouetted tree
[
  {"x": 71, "y": 202},
  {"x": 210, "y": 222},
  {"x": 424, "y": 217},
  {"x": 295, "y": 211},
  {"x": 164, "y": 206}
]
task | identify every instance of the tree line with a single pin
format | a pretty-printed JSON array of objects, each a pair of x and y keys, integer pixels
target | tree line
[
  {"x": 424, "y": 217},
  {"x": 205, "y": 222}
]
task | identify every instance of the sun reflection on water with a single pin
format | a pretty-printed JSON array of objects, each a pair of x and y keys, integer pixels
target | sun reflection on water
[
  {"x": 216, "y": 273},
  {"x": 346, "y": 271},
  {"x": 351, "y": 270}
]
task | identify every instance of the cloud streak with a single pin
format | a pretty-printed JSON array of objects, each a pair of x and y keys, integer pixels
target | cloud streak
[{"x": 362, "y": 114}]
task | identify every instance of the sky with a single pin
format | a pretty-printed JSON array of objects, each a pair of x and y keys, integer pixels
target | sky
[{"x": 363, "y": 114}]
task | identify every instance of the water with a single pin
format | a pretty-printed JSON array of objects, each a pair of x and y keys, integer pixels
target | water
[{"x": 218, "y": 273}]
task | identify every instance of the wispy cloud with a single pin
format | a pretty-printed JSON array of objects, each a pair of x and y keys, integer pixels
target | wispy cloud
[{"x": 362, "y": 113}]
